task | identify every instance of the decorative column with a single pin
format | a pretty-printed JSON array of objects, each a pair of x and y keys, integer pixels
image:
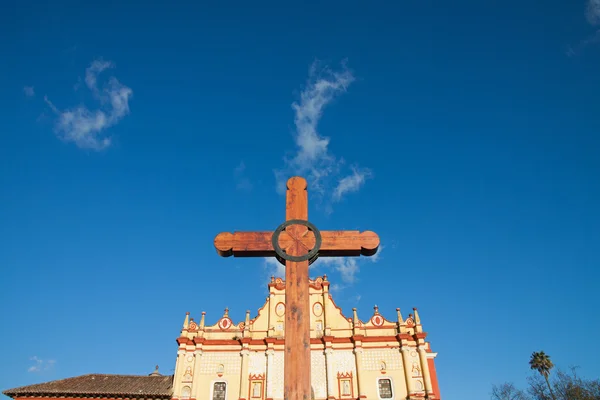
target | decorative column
[
  {"x": 177, "y": 377},
  {"x": 196, "y": 377},
  {"x": 325, "y": 303},
  {"x": 244, "y": 378},
  {"x": 358, "y": 352},
  {"x": 270, "y": 372},
  {"x": 425, "y": 369},
  {"x": 406, "y": 361},
  {"x": 330, "y": 377}
]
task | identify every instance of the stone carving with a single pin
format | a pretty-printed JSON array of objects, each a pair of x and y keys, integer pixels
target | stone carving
[
  {"x": 256, "y": 389},
  {"x": 257, "y": 363},
  {"x": 231, "y": 361},
  {"x": 225, "y": 323},
  {"x": 187, "y": 375},
  {"x": 277, "y": 379},
  {"x": 318, "y": 378},
  {"x": 415, "y": 369},
  {"x": 343, "y": 361},
  {"x": 372, "y": 359}
]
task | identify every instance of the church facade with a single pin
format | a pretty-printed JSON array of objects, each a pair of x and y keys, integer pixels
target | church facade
[{"x": 351, "y": 358}]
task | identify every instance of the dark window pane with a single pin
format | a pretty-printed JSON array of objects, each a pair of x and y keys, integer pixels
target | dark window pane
[
  {"x": 219, "y": 391},
  {"x": 385, "y": 388}
]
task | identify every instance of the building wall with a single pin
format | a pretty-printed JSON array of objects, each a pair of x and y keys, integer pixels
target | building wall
[{"x": 349, "y": 357}]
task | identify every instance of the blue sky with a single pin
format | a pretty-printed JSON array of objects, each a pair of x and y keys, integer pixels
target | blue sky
[{"x": 466, "y": 133}]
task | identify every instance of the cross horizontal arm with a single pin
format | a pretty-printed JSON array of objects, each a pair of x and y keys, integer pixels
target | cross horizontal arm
[
  {"x": 348, "y": 243},
  {"x": 259, "y": 244},
  {"x": 246, "y": 244}
]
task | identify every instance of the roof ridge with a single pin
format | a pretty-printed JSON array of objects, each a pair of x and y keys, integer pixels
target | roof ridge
[{"x": 98, "y": 383}]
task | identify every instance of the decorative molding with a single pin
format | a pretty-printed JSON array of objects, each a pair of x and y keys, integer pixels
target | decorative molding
[
  {"x": 225, "y": 323},
  {"x": 317, "y": 284}
]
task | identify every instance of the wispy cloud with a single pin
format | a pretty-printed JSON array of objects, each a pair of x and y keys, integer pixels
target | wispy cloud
[
  {"x": 348, "y": 267},
  {"x": 592, "y": 15},
  {"x": 242, "y": 182},
  {"x": 86, "y": 128},
  {"x": 312, "y": 157},
  {"x": 274, "y": 267},
  {"x": 28, "y": 90},
  {"x": 40, "y": 365},
  {"x": 592, "y": 12},
  {"x": 351, "y": 183}
]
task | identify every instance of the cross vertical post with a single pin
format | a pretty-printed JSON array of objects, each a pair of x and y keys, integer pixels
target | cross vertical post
[{"x": 297, "y": 319}]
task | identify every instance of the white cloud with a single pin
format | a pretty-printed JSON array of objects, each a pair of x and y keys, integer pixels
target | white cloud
[
  {"x": 274, "y": 267},
  {"x": 28, "y": 90},
  {"x": 351, "y": 183},
  {"x": 40, "y": 365},
  {"x": 92, "y": 72},
  {"x": 86, "y": 128},
  {"x": 313, "y": 158},
  {"x": 347, "y": 267},
  {"x": 242, "y": 182},
  {"x": 592, "y": 12},
  {"x": 377, "y": 256}
]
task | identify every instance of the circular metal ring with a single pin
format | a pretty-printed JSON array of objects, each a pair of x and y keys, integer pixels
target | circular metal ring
[{"x": 312, "y": 254}]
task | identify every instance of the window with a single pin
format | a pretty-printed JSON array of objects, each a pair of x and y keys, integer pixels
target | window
[
  {"x": 219, "y": 391},
  {"x": 385, "y": 388}
]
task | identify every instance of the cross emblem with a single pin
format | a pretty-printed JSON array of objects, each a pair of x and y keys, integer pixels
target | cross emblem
[{"x": 297, "y": 243}]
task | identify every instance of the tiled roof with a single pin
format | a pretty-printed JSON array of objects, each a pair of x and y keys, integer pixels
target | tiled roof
[{"x": 100, "y": 385}]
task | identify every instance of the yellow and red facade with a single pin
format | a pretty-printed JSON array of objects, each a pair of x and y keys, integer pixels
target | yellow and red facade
[{"x": 350, "y": 358}]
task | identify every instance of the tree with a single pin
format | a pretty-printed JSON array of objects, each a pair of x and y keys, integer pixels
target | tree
[
  {"x": 564, "y": 386},
  {"x": 540, "y": 362},
  {"x": 507, "y": 391}
]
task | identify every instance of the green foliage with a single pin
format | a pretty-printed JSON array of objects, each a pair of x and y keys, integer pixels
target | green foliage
[{"x": 540, "y": 361}]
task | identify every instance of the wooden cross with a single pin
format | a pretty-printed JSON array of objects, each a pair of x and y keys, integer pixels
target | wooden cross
[{"x": 297, "y": 243}]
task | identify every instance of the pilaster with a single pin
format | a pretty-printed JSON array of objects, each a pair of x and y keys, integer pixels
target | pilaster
[
  {"x": 325, "y": 296},
  {"x": 270, "y": 372},
  {"x": 331, "y": 384},
  {"x": 406, "y": 363},
  {"x": 358, "y": 353},
  {"x": 244, "y": 375},
  {"x": 196, "y": 376},
  {"x": 177, "y": 378},
  {"x": 425, "y": 369}
]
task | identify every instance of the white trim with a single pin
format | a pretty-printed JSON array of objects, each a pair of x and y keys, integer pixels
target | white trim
[
  {"x": 391, "y": 386},
  {"x": 212, "y": 387}
]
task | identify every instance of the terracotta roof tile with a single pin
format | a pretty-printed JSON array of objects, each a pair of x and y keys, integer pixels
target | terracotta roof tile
[{"x": 95, "y": 385}]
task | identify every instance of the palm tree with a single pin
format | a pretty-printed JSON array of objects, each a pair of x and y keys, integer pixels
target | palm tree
[{"x": 540, "y": 361}]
